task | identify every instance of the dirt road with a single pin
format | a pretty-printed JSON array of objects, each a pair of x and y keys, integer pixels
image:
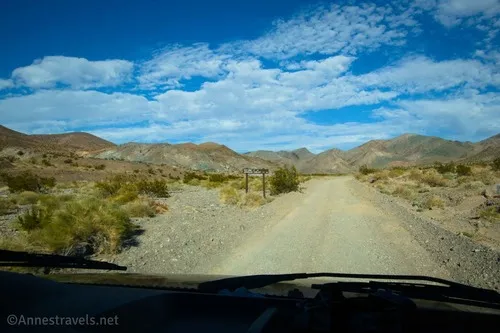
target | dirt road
[{"x": 331, "y": 229}]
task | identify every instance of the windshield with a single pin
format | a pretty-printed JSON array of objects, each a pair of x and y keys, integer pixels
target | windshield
[{"x": 227, "y": 138}]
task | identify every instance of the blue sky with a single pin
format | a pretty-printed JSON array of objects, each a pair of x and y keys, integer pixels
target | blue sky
[{"x": 252, "y": 75}]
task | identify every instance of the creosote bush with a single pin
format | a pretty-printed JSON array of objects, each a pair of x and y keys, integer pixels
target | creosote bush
[
  {"x": 27, "y": 181},
  {"x": 284, "y": 180}
]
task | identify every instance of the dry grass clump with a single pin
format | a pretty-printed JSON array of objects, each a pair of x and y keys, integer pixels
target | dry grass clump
[
  {"x": 89, "y": 223},
  {"x": 434, "y": 179},
  {"x": 229, "y": 195},
  {"x": 433, "y": 202},
  {"x": 404, "y": 192}
]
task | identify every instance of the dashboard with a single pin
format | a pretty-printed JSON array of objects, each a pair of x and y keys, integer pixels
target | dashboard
[{"x": 96, "y": 308}]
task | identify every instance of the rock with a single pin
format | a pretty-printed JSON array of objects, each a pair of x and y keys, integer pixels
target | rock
[
  {"x": 487, "y": 193},
  {"x": 476, "y": 250},
  {"x": 489, "y": 203}
]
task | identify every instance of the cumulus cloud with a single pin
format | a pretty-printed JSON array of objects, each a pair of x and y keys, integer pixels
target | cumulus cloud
[
  {"x": 452, "y": 12},
  {"x": 257, "y": 93},
  {"x": 5, "y": 84},
  {"x": 76, "y": 73},
  {"x": 172, "y": 64},
  {"x": 329, "y": 30}
]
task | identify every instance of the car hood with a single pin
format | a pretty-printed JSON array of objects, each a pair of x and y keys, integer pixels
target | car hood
[{"x": 176, "y": 281}]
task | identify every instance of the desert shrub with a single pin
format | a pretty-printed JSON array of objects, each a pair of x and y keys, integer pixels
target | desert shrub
[
  {"x": 126, "y": 193},
  {"x": 46, "y": 162},
  {"x": 495, "y": 165},
  {"x": 217, "y": 178},
  {"x": 192, "y": 175},
  {"x": 6, "y": 206},
  {"x": 473, "y": 185},
  {"x": 284, "y": 180},
  {"x": 32, "y": 160},
  {"x": 432, "y": 178},
  {"x": 11, "y": 158},
  {"x": 449, "y": 176},
  {"x": 151, "y": 171},
  {"x": 33, "y": 219},
  {"x": 112, "y": 185},
  {"x": 27, "y": 198},
  {"x": 139, "y": 208},
  {"x": 463, "y": 170},
  {"x": 365, "y": 170},
  {"x": 20, "y": 153},
  {"x": 238, "y": 184},
  {"x": 253, "y": 200},
  {"x": 433, "y": 202},
  {"x": 136, "y": 170},
  {"x": 229, "y": 195},
  {"x": 445, "y": 168},
  {"x": 156, "y": 187},
  {"x": 381, "y": 175},
  {"x": 100, "y": 167},
  {"x": 68, "y": 161},
  {"x": 416, "y": 175},
  {"x": 491, "y": 214},
  {"x": 396, "y": 172},
  {"x": 484, "y": 175},
  {"x": 28, "y": 182},
  {"x": 404, "y": 192},
  {"x": 97, "y": 225}
]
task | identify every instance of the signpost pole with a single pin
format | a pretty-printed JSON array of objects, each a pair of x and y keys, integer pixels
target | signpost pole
[
  {"x": 264, "y": 184},
  {"x": 246, "y": 182}
]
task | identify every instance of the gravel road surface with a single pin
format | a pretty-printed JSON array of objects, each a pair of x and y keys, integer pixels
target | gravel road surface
[
  {"x": 334, "y": 224},
  {"x": 332, "y": 229}
]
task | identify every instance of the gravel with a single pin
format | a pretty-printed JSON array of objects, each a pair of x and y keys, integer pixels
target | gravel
[
  {"x": 199, "y": 234},
  {"x": 196, "y": 227},
  {"x": 467, "y": 261}
]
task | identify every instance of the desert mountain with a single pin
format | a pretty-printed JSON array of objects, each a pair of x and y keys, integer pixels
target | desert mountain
[
  {"x": 330, "y": 161},
  {"x": 76, "y": 141},
  {"x": 297, "y": 157},
  {"x": 204, "y": 157},
  {"x": 407, "y": 149}
]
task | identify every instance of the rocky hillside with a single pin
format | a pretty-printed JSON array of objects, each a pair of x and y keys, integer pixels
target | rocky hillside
[
  {"x": 76, "y": 141},
  {"x": 298, "y": 157},
  {"x": 407, "y": 149},
  {"x": 206, "y": 157}
]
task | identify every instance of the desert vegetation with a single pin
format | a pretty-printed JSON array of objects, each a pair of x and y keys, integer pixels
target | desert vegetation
[
  {"x": 92, "y": 218},
  {"x": 442, "y": 186}
]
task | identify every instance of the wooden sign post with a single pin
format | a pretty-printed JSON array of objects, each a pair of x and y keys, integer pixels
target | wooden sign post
[{"x": 251, "y": 171}]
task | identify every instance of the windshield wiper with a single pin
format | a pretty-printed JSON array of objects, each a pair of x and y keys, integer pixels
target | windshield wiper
[
  {"x": 26, "y": 259},
  {"x": 260, "y": 281},
  {"x": 405, "y": 284}
]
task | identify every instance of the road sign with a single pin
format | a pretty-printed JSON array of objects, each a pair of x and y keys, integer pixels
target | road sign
[{"x": 254, "y": 171}]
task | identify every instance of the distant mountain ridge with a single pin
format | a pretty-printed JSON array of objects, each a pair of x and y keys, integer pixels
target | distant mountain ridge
[
  {"x": 74, "y": 141},
  {"x": 406, "y": 149}
]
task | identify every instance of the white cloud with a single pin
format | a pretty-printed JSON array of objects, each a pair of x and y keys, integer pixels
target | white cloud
[
  {"x": 420, "y": 74},
  {"x": 54, "y": 109},
  {"x": 173, "y": 64},
  {"x": 329, "y": 30},
  {"x": 6, "y": 84},
  {"x": 77, "y": 73},
  {"x": 452, "y": 12}
]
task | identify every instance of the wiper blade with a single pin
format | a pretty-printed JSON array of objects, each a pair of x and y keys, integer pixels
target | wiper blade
[
  {"x": 259, "y": 281},
  {"x": 26, "y": 259}
]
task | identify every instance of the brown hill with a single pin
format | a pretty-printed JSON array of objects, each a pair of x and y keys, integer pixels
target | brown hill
[
  {"x": 11, "y": 138},
  {"x": 76, "y": 141},
  {"x": 330, "y": 161},
  {"x": 203, "y": 157}
]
